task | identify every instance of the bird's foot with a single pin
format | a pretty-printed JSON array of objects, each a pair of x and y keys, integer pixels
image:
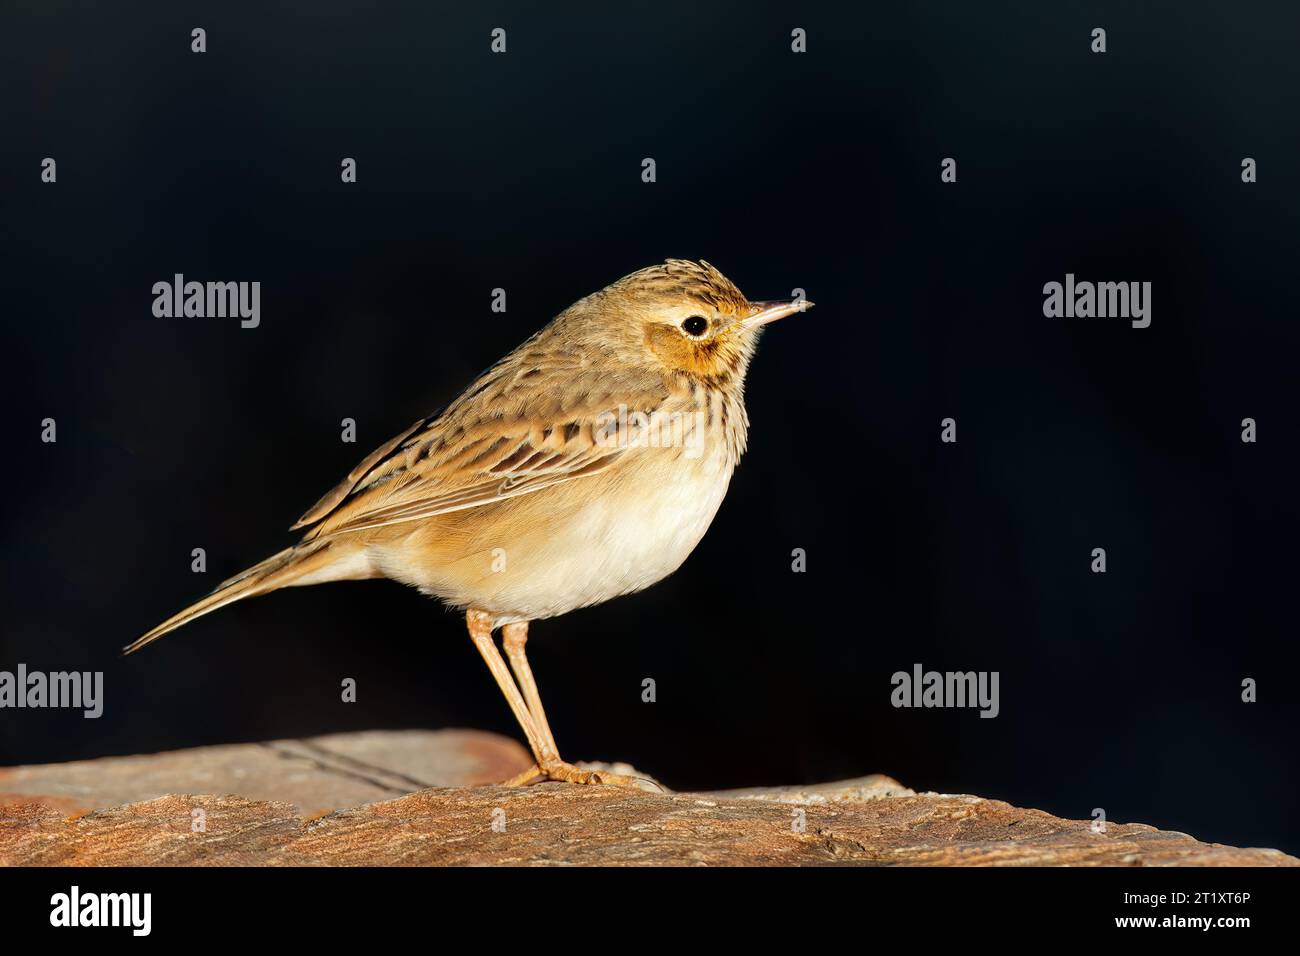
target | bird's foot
[{"x": 567, "y": 773}]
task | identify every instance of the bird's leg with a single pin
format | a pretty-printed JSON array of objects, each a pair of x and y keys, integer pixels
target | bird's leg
[
  {"x": 480, "y": 631},
  {"x": 529, "y": 712},
  {"x": 513, "y": 639}
]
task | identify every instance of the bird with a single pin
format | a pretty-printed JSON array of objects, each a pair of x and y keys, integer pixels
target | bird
[{"x": 586, "y": 464}]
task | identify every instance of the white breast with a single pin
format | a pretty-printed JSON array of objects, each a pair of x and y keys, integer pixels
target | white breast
[{"x": 619, "y": 542}]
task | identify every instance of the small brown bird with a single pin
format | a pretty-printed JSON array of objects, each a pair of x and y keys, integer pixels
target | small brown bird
[{"x": 586, "y": 464}]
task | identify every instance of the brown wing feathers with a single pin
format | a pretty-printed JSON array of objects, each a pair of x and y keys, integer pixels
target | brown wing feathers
[{"x": 486, "y": 446}]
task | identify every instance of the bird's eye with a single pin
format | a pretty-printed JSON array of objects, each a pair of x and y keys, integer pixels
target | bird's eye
[{"x": 695, "y": 326}]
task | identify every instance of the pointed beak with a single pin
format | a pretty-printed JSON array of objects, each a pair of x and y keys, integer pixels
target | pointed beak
[{"x": 765, "y": 312}]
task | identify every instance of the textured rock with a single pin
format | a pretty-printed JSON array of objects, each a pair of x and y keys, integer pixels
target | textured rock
[
  {"x": 873, "y": 820},
  {"x": 315, "y": 775}
]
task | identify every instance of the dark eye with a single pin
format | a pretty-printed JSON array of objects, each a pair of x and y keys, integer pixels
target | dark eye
[{"x": 695, "y": 326}]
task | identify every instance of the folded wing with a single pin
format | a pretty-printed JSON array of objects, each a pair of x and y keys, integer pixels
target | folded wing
[{"x": 492, "y": 444}]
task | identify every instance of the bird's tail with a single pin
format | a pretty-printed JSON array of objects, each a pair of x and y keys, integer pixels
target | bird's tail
[{"x": 284, "y": 569}]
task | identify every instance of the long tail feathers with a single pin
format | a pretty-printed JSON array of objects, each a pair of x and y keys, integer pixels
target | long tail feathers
[{"x": 278, "y": 571}]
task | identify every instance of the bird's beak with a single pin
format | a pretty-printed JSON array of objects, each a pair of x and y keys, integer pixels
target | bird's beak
[{"x": 765, "y": 312}]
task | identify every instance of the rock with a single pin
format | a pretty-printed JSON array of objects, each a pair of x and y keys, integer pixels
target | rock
[
  {"x": 335, "y": 800},
  {"x": 315, "y": 775}
]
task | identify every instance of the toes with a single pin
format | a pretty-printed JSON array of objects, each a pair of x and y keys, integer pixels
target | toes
[
  {"x": 568, "y": 773},
  {"x": 528, "y": 776},
  {"x": 621, "y": 780}
]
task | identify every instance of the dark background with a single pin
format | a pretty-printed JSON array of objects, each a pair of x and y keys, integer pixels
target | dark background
[{"x": 821, "y": 171}]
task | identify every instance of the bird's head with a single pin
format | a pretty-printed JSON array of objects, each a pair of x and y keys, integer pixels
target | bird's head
[{"x": 690, "y": 319}]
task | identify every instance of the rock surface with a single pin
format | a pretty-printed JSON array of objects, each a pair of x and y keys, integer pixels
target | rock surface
[
  {"x": 422, "y": 798},
  {"x": 315, "y": 775}
]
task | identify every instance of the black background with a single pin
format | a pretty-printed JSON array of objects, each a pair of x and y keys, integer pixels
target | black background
[{"x": 820, "y": 171}]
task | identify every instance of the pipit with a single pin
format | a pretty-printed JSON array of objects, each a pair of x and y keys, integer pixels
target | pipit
[{"x": 586, "y": 464}]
